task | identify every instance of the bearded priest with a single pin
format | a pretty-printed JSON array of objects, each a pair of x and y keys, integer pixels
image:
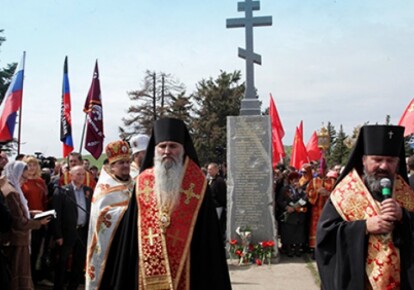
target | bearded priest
[
  {"x": 365, "y": 233},
  {"x": 169, "y": 238}
]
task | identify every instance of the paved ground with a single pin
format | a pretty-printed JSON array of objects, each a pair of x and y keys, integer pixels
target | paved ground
[{"x": 289, "y": 273}]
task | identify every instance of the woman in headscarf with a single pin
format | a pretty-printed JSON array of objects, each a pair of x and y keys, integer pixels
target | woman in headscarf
[{"x": 18, "y": 239}]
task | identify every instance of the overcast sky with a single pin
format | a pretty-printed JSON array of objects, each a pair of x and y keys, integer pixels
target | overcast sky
[{"x": 347, "y": 62}]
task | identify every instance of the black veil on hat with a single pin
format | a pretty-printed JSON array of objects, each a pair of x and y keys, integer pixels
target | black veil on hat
[
  {"x": 381, "y": 140},
  {"x": 169, "y": 129}
]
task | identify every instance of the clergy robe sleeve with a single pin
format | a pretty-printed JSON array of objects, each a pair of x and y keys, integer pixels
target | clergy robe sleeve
[
  {"x": 340, "y": 251},
  {"x": 403, "y": 240},
  {"x": 209, "y": 268}
]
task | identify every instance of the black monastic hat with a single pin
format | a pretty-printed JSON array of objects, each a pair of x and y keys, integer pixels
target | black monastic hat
[
  {"x": 381, "y": 140},
  {"x": 169, "y": 129}
]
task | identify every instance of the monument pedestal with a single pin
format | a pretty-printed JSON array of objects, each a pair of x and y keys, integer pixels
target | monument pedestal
[{"x": 249, "y": 179}]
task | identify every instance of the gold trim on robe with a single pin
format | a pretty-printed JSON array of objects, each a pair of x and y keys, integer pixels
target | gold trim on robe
[
  {"x": 353, "y": 202},
  {"x": 164, "y": 239},
  {"x": 109, "y": 203}
]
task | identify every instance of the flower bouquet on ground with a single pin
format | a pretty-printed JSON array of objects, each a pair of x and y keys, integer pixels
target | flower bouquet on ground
[
  {"x": 248, "y": 253},
  {"x": 268, "y": 247}
]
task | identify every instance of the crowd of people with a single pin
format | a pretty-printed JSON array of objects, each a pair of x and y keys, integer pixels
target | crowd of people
[
  {"x": 153, "y": 218},
  {"x": 300, "y": 195},
  {"x": 95, "y": 207}
]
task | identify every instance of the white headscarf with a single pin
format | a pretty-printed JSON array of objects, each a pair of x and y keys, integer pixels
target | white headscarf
[{"x": 13, "y": 171}]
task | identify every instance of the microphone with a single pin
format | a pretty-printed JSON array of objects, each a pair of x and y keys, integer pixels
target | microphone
[{"x": 386, "y": 187}]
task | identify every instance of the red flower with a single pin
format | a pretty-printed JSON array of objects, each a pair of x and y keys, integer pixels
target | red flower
[
  {"x": 239, "y": 253},
  {"x": 233, "y": 242},
  {"x": 258, "y": 262},
  {"x": 270, "y": 243}
]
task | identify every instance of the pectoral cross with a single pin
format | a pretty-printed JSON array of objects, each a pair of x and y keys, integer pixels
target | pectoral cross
[
  {"x": 190, "y": 193},
  {"x": 147, "y": 190},
  {"x": 151, "y": 237},
  {"x": 390, "y": 133}
]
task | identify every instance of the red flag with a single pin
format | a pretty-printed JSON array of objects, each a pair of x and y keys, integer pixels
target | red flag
[
  {"x": 301, "y": 129},
  {"x": 407, "y": 119},
  {"x": 94, "y": 118},
  {"x": 65, "y": 116},
  {"x": 314, "y": 152},
  {"x": 12, "y": 103},
  {"x": 277, "y": 133},
  {"x": 299, "y": 155}
]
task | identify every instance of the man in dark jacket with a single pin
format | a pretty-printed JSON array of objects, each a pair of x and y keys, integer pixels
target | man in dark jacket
[{"x": 72, "y": 204}]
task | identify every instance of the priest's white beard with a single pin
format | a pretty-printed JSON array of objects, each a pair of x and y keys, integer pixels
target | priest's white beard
[{"x": 168, "y": 174}]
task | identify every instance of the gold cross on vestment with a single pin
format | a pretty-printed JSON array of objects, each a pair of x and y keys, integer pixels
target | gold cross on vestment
[
  {"x": 176, "y": 237},
  {"x": 151, "y": 237},
  {"x": 147, "y": 190},
  {"x": 390, "y": 133},
  {"x": 190, "y": 193}
]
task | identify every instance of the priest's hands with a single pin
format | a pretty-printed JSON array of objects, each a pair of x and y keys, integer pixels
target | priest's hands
[
  {"x": 391, "y": 210},
  {"x": 378, "y": 225},
  {"x": 383, "y": 223}
]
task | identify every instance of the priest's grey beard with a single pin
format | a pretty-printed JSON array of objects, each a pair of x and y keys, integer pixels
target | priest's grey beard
[
  {"x": 373, "y": 183},
  {"x": 168, "y": 174}
]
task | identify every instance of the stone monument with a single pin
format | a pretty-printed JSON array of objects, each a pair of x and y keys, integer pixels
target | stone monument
[{"x": 249, "y": 154}]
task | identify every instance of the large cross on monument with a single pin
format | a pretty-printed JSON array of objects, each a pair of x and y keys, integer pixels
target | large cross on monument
[{"x": 250, "y": 104}]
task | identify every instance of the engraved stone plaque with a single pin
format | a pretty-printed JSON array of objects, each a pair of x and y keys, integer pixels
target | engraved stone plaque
[{"x": 249, "y": 178}]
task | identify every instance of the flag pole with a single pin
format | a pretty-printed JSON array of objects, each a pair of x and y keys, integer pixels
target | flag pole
[
  {"x": 20, "y": 109},
  {"x": 83, "y": 134}
]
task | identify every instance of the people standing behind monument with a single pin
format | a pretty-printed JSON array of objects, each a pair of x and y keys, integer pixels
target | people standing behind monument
[
  {"x": 219, "y": 193},
  {"x": 35, "y": 191},
  {"x": 75, "y": 159},
  {"x": 365, "y": 237},
  {"x": 72, "y": 203},
  {"x": 306, "y": 176},
  {"x": 292, "y": 206},
  {"x": 110, "y": 201},
  {"x": 139, "y": 145},
  {"x": 410, "y": 166},
  {"x": 318, "y": 191},
  {"x": 171, "y": 219},
  {"x": 18, "y": 239}
]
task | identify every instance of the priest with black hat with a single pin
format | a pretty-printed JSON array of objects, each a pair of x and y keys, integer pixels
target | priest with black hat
[
  {"x": 169, "y": 237},
  {"x": 365, "y": 233}
]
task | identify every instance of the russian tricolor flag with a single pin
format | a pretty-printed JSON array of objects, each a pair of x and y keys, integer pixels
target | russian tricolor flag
[{"x": 11, "y": 104}]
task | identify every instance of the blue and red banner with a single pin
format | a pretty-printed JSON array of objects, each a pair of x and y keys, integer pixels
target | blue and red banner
[
  {"x": 94, "y": 117},
  {"x": 11, "y": 104},
  {"x": 65, "y": 114}
]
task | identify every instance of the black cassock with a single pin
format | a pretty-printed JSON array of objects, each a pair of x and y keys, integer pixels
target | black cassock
[
  {"x": 341, "y": 251},
  {"x": 208, "y": 259}
]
